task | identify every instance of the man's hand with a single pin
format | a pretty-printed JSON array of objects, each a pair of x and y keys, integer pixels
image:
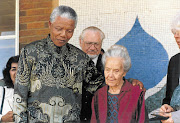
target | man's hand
[
  {"x": 139, "y": 83},
  {"x": 7, "y": 117}
]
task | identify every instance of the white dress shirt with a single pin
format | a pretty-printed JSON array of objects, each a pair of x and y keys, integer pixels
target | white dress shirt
[
  {"x": 95, "y": 60},
  {"x": 8, "y": 100}
]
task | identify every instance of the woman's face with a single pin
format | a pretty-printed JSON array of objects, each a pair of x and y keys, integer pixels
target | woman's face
[
  {"x": 177, "y": 37},
  {"x": 114, "y": 71},
  {"x": 12, "y": 71}
]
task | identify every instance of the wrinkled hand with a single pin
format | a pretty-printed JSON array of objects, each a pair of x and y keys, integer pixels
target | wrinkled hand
[
  {"x": 167, "y": 109},
  {"x": 7, "y": 117},
  {"x": 139, "y": 83},
  {"x": 169, "y": 120}
]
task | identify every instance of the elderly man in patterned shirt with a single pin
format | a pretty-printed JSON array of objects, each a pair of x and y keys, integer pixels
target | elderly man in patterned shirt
[{"x": 51, "y": 74}]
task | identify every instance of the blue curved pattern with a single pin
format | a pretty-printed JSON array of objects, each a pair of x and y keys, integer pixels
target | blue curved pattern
[{"x": 148, "y": 56}]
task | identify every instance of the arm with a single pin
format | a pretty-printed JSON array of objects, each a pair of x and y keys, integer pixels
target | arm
[
  {"x": 8, "y": 117},
  {"x": 166, "y": 109},
  {"x": 93, "y": 79},
  {"x": 92, "y": 82},
  {"x": 172, "y": 79},
  {"x": 21, "y": 88},
  {"x": 175, "y": 116}
]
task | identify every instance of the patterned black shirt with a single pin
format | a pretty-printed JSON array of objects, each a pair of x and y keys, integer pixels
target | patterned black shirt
[{"x": 49, "y": 82}]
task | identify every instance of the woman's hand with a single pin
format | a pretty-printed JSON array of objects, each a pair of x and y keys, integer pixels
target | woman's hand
[
  {"x": 7, "y": 117},
  {"x": 169, "y": 120},
  {"x": 166, "y": 109}
]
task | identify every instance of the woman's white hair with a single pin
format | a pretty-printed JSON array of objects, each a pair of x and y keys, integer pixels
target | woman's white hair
[
  {"x": 118, "y": 51},
  {"x": 63, "y": 11},
  {"x": 175, "y": 26}
]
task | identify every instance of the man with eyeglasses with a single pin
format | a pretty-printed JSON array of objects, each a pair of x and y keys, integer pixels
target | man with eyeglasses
[{"x": 90, "y": 41}]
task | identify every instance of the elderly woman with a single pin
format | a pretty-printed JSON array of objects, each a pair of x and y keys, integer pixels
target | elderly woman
[
  {"x": 7, "y": 91},
  {"x": 174, "y": 63},
  {"x": 118, "y": 101}
]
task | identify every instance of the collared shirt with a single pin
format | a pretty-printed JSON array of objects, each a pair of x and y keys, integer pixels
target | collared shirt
[
  {"x": 95, "y": 60},
  {"x": 49, "y": 82}
]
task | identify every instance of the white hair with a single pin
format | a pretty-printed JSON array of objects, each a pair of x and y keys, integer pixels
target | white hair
[
  {"x": 119, "y": 52},
  {"x": 63, "y": 11},
  {"x": 92, "y": 28},
  {"x": 175, "y": 26}
]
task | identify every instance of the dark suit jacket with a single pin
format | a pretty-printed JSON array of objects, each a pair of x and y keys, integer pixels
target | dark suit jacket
[
  {"x": 99, "y": 64},
  {"x": 87, "y": 97},
  {"x": 172, "y": 77}
]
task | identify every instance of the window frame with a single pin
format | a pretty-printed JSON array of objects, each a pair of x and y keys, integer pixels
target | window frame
[{"x": 16, "y": 36}]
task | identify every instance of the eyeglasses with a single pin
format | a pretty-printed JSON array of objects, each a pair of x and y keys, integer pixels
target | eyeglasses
[
  {"x": 89, "y": 44},
  {"x": 176, "y": 32}
]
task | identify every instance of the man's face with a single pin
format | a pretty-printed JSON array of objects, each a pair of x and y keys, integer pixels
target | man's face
[
  {"x": 61, "y": 30},
  {"x": 91, "y": 44},
  {"x": 177, "y": 37}
]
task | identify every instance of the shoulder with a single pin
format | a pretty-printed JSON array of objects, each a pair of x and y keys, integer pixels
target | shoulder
[
  {"x": 9, "y": 91},
  {"x": 100, "y": 56},
  {"x": 175, "y": 57},
  {"x": 38, "y": 43},
  {"x": 33, "y": 48},
  {"x": 77, "y": 52},
  {"x": 102, "y": 90},
  {"x": 135, "y": 90},
  {"x": 2, "y": 82},
  {"x": 75, "y": 49}
]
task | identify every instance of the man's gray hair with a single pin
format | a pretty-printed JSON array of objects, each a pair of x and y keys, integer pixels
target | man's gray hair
[
  {"x": 175, "y": 26},
  {"x": 118, "y": 51},
  {"x": 92, "y": 28},
  {"x": 64, "y": 11}
]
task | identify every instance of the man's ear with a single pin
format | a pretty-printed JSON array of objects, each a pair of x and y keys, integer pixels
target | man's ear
[
  {"x": 49, "y": 24},
  {"x": 80, "y": 42}
]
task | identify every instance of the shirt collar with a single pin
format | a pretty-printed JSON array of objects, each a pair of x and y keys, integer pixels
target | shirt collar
[
  {"x": 55, "y": 49},
  {"x": 95, "y": 60}
]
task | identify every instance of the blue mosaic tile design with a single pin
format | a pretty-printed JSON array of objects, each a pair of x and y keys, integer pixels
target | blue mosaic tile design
[{"x": 148, "y": 56}]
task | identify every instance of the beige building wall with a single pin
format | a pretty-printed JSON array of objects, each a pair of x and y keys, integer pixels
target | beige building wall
[{"x": 116, "y": 18}]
